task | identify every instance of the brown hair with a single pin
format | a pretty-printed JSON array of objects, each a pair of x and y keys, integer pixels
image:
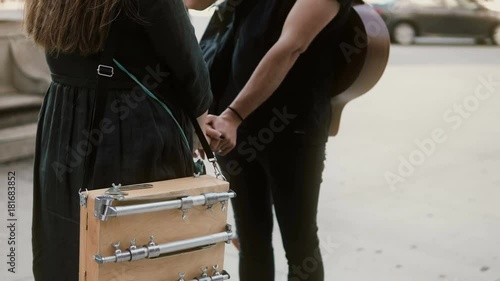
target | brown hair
[{"x": 69, "y": 26}]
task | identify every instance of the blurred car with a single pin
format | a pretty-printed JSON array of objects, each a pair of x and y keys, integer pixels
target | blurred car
[{"x": 408, "y": 19}]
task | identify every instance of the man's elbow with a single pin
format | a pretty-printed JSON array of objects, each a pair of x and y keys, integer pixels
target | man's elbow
[
  {"x": 293, "y": 48},
  {"x": 299, "y": 48}
]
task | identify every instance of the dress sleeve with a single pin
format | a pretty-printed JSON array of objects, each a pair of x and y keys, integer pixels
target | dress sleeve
[{"x": 172, "y": 34}]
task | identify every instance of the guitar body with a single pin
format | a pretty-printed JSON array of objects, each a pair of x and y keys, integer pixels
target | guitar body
[{"x": 365, "y": 52}]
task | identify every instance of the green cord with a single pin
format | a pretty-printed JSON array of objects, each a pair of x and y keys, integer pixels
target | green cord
[{"x": 159, "y": 101}]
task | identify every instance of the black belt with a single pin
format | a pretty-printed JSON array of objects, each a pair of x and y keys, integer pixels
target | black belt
[{"x": 90, "y": 82}]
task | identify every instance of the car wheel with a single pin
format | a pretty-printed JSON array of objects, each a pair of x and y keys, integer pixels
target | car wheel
[
  {"x": 495, "y": 35},
  {"x": 404, "y": 33}
]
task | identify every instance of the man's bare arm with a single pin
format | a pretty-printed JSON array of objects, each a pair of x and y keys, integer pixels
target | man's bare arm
[
  {"x": 198, "y": 4},
  {"x": 304, "y": 22}
]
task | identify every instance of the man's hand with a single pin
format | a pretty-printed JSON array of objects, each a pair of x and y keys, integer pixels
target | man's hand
[
  {"x": 227, "y": 124},
  {"x": 210, "y": 133}
]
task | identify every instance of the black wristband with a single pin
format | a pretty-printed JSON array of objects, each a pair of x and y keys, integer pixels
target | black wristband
[{"x": 235, "y": 112}]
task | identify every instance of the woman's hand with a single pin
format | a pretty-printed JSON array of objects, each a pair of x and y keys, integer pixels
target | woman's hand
[
  {"x": 209, "y": 132},
  {"x": 227, "y": 124}
]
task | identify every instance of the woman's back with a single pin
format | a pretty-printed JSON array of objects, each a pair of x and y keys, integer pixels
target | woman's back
[
  {"x": 158, "y": 35},
  {"x": 134, "y": 49},
  {"x": 135, "y": 141}
]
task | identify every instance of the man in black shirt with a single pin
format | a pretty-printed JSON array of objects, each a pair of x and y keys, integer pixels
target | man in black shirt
[{"x": 274, "y": 116}]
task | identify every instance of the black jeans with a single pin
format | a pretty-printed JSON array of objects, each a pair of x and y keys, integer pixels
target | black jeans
[{"x": 286, "y": 173}]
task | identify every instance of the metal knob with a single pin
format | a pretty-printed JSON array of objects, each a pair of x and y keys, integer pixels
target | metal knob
[
  {"x": 132, "y": 245},
  {"x": 216, "y": 270},
  {"x": 204, "y": 271},
  {"x": 115, "y": 190},
  {"x": 210, "y": 208},
  {"x": 117, "y": 247},
  {"x": 151, "y": 241},
  {"x": 181, "y": 276}
]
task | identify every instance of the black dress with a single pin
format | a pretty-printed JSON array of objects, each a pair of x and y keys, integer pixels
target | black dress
[{"x": 137, "y": 140}]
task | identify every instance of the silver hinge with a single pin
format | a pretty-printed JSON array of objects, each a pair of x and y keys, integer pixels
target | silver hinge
[
  {"x": 83, "y": 198},
  {"x": 103, "y": 207}
]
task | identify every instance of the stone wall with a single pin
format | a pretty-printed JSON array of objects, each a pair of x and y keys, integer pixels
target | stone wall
[
  {"x": 22, "y": 64},
  {"x": 24, "y": 79}
]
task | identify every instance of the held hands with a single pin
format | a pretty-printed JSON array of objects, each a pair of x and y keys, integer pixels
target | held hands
[
  {"x": 220, "y": 132},
  {"x": 209, "y": 132},
  {"x": 226, "y": 124}
]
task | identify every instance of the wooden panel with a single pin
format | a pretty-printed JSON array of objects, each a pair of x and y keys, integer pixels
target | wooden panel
[
  {"x": 89, "y": 240},
  {"x": 166, "y": 226},
  {"x": 169, "y": 188}
]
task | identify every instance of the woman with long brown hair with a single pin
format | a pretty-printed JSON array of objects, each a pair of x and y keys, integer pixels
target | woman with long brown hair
[{"x": 135, "y": 140}]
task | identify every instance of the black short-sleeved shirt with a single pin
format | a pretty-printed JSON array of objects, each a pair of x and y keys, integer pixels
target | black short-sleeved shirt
[{"x": 306, "y": 90}]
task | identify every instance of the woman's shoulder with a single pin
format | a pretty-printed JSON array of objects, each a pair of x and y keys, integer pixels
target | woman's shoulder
[{"x": 152, "y": 12}]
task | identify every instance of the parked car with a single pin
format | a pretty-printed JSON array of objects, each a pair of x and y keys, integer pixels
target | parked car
[{"x": 408, "y": 19}]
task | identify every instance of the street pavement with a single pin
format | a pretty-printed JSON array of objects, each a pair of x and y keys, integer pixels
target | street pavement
[{"x": 411, "y": 183}]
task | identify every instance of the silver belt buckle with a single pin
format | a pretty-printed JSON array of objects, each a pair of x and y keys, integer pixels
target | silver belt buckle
[{"x": 105, "y": 70}]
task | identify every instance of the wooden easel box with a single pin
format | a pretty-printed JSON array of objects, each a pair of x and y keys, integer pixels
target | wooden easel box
[{"x": 96, "y": 237}]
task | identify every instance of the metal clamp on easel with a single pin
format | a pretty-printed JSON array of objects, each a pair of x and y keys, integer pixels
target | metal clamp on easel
[
  {"x": 217, "y": 276},
  {"x": 153, "y": 250},
  {"x": 104, "y": 209}
]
